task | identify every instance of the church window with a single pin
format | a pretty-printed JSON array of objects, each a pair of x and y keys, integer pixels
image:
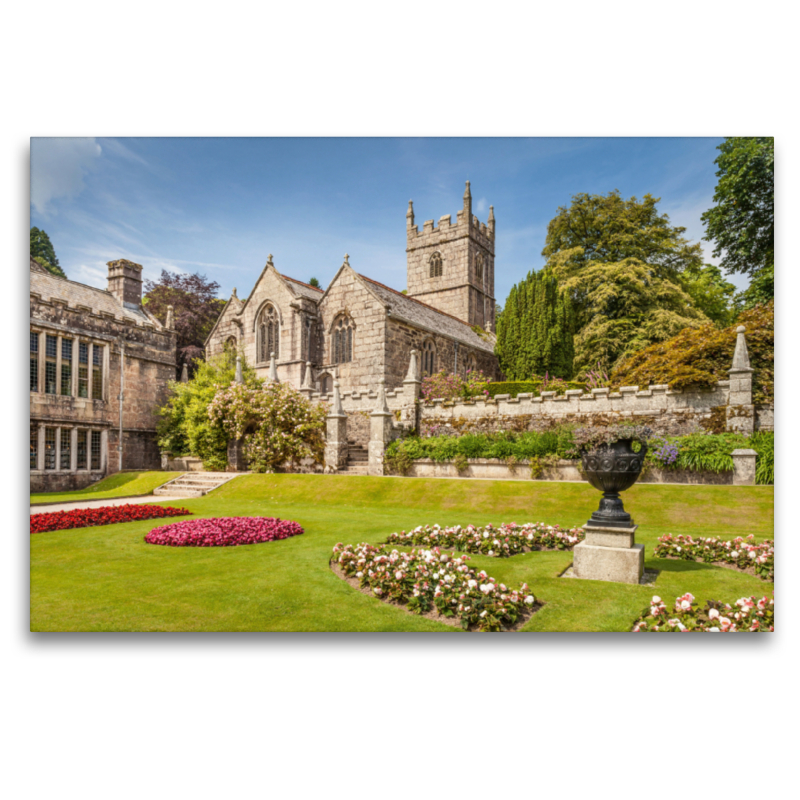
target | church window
[
  {"x": 49, "y": 448},
  {"x": 83, "y": 369},
  {"x": 268, "y": 333},
  {"x": 479, "y": 267},
  {"x": 342, "y": 344},
  {"x": 65, "y": 449},
  {"x": 34, "y": 362},
  {"x": 428, "y": 358},
  {"x": 97, "y": 372},
  {"x": 66, "y": 367},
  {"x": 436, "y": 265}
]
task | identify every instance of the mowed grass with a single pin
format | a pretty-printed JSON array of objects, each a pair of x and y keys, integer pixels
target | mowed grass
[
  {"x": 121, "y": 484},
  {"x": 103, "y": 579}
]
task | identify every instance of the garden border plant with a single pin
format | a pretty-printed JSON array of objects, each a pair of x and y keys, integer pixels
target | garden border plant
[
  {"x": 750, "y": 616},
  {"x": 741, "y": 554},
  {"x": 46, "y": 521},
  {"x": 223, "y": 532}
]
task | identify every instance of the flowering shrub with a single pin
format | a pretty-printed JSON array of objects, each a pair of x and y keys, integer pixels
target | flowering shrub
[
  {"x": 276, "y": 422},
  {"x": 550, "y": 383},
  {"x": 448, "y": 386},
  {"x": 747, "y": 614},
  {"x": 741, "y": 553},
  {"x": 597, "y": 379},
  {"x": 223, "y": 532},
  {"x": 102, "y": 515},
  {"x": 425, "y": 580},
  {"x": 503, "y": 541},
  {"x": 665, "y": 454}
]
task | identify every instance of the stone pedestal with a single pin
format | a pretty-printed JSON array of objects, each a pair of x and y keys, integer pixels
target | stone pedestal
[
  {"x": 609, "y": 554},
  {"x": 744, "y": 467}
]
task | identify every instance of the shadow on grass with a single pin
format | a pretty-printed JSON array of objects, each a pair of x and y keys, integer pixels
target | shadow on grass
[{"x": 670, "y": 565}]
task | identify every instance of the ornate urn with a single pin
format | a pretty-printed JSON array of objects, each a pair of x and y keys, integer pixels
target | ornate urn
[{"x": 612, "y": 468}]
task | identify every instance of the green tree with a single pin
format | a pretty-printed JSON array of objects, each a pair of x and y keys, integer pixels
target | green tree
[
  {"x": 184, "y": 427},
  {"x": 627, "y": 271},
  {"x": 711, "y": 293},
  {"x": 42, "y": 251},
  {"x": 535, "y": 330},
  {"x": 314, "y": 282},
  {"x": 742, "y": 221}
]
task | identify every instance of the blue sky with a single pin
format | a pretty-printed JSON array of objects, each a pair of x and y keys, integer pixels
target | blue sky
[{"x": 220, "y": 206}]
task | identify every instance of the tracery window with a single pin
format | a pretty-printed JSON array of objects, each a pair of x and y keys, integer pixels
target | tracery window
[
  {"x": 268, "y": 333},
  {"x": 479, "y": 267},
  {"x": 342, "y": 343},
  {"x": 436, "y": 265},
  {"x": 428, "y": 358}
]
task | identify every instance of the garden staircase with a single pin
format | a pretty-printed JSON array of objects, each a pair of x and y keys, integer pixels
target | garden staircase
[
  {"x": 357, "y": 460},
  {"x": 194, "y": 484}
]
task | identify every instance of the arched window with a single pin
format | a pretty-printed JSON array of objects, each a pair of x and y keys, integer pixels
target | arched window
[
  {"x": 268, "y": 333},
  {"x": 230, "y": 343},
  {"x": 479, "y": 267},
  {"x": 436, "y": 265},
  {"x": 428, "y": 358},
  {"x": 472, "y": 363},
  {"x": 342, "y": 341}
]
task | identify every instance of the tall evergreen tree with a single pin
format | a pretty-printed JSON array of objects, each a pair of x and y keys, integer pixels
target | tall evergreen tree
[
  {"x": 535, "y": 330},
  {"x": 42, "y": 251}
]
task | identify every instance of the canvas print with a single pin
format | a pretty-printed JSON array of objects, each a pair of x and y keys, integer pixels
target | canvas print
[{"x": 453, "y": 386}]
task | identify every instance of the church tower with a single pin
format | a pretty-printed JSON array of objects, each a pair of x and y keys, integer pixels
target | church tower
[{"x": 451, "y": 267}]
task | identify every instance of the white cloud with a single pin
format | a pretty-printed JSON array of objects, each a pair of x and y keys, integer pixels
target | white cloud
[
  {"x": 482, "y": 205},
  {"x": 58, "y": 167}
]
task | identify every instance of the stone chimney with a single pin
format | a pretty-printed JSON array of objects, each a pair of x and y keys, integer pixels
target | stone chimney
[{"x": 125, "y": 281}]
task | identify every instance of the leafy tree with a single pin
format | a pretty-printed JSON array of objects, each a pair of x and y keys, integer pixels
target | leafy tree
[
  {"x": 627, "y": 271},
  {"x": 711, "y": 293},
  {"x": 43, "y": 252},
  {"x": 314, "y": 282},
  {"x": 195, "y": 310},
  {"x": 742, "y": 221},
  {"x": 535, "y": 330},
  {"x": 184, "y": 427}
]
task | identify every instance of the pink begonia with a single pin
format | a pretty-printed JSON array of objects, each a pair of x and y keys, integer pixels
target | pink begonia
[{"x": 223, "y": 532}]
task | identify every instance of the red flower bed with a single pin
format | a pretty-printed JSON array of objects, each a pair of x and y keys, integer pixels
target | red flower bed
[
  {"x": 223, "y": 532},
  {"x": 102, "y": 515}
]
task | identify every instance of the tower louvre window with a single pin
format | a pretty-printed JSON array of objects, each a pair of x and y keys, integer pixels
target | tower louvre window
[
  {"x": 479, "y": 267},
  {"x": 436, "y": 265}
]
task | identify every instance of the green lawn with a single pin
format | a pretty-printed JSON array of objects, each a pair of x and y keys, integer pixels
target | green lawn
[
  {"x": 121, "y": 484},
  {"x": 99, "y": 579}
]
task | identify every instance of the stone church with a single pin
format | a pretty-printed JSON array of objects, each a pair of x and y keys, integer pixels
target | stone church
[{"x": 359, "y": 330}]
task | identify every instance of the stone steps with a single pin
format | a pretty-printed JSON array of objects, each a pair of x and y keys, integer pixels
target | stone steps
[{"x": 194, "y": 484}]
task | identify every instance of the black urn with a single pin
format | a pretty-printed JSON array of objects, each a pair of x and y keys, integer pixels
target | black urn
[{"x": 612, "y": 468}]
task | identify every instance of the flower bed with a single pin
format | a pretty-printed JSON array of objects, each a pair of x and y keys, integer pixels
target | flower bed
[
  {"x": 429, "y": 580},
  {"x": 741, "y": 553},
  {"x": 503, "y": 541},
  {"x": 223, "y": 532},
  {"x": 102, "y": 515},
  {"x": 747, "y": 615}
]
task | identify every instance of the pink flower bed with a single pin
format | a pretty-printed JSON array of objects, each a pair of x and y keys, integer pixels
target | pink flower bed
[
  {"x": 747, "y": 614},
  {"x": 223, "y": 532},
  {"x": 740, "y": 553}
]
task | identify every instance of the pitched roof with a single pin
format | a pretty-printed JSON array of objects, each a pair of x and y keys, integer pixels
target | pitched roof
[
  {"x": 305, "y": 289},
  {"x": 50, "y": 287},
  {"x": 418, "y": 313}
]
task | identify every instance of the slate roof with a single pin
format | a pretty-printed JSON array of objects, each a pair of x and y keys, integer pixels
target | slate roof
[
  {"x": 49, "y": 287},
  {"x": 304, "y": 289},
  {"x": 418, "y": 313}
]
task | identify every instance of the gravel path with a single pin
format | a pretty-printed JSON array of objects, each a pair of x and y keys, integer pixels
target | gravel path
[{"x": 113, "y": 501}]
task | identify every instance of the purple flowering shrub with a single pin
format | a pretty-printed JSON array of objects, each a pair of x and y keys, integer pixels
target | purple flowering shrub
[
  {"x": 503, "y": 541},
  {"x": 746, "y": 615},
  {"x": 448, "y": 386},
  {"x": 425, "y": 580},
  {"x": 223, "y": 532},
  {"x": 663, "y": 453},
  {"x": 739, "y": 552}
]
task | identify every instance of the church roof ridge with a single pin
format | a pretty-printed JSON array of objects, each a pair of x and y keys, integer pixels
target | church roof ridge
[{"x": 302, "y": 283}]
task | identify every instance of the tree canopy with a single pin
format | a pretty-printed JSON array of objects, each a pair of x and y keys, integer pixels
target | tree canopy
[
  {"x": 741, "y": 222},
  {"x": 43, "y": 251},
  {"x": 535, "y": 330},
  {"x": 629, "y": 273},
  {"x": 195, "y": 309}
]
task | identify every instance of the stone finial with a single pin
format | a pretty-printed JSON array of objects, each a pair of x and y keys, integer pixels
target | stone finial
[
  {"x": 307, "y": 378},
  {"x": 239, "y": 377},
  {"x": 273, "y": 369},
  {"x": 336, "y": 407},
  {"x": 346, "y": 260},
  {"x": 185, "y": 373},
  {"x": 269, "y": 260},
  {"x": 170, "y": 323},
  {"x": 491, "y": 213},
  {"x": 413, "y": 367},
  {"x": 381, "y": 407},
  {"x": 233, "y": 293},
  {"x": 410, "y": 214},
  {"x": 741, "y": 359}
]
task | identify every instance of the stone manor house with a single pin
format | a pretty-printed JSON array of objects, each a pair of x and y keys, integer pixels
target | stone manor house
[
  {"x": 359, "y": 330},
  {"x": 99, "y": 366}
]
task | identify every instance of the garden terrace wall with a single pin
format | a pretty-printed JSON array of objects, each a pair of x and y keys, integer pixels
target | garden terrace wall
[
  {"x": 563, "y": 470},
  {"x": 669, "y": 413}
]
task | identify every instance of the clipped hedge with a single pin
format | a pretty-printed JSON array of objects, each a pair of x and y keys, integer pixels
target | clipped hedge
[{"x": 703, "y": 356}]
